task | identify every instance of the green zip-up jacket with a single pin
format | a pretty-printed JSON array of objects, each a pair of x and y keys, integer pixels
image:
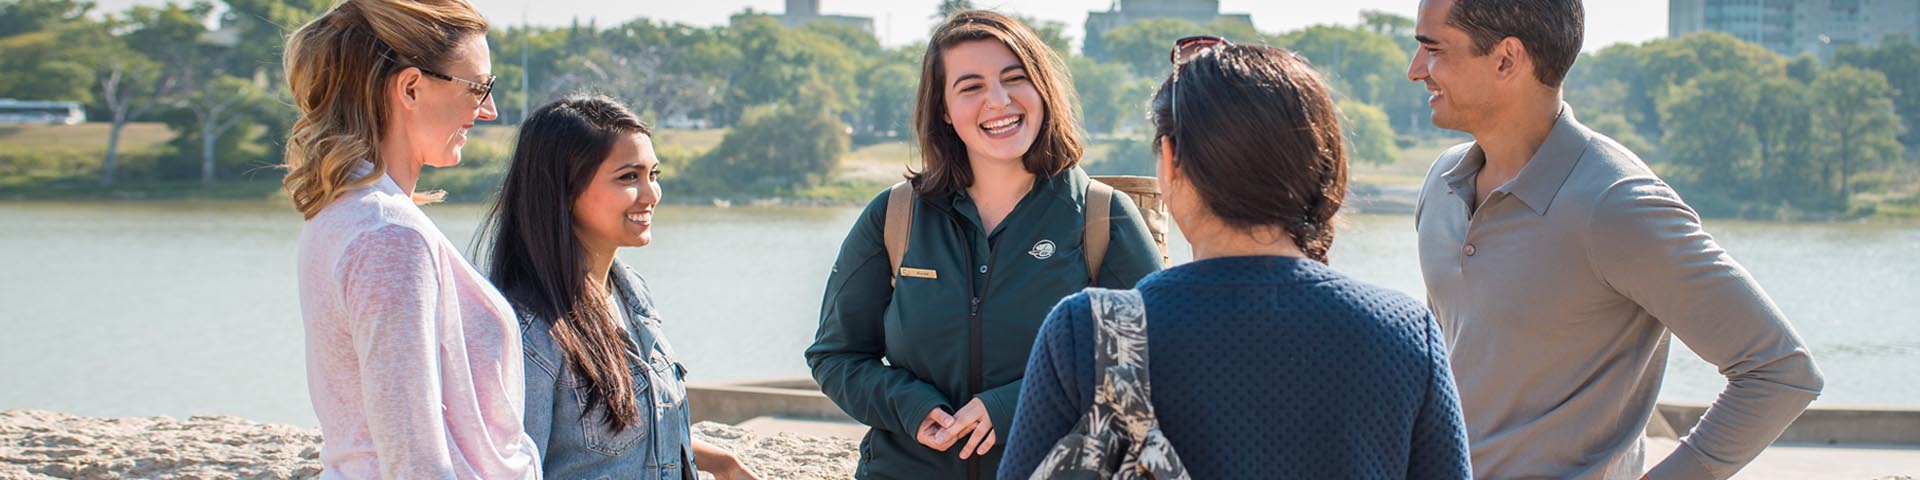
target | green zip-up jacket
[{"x": 888, "y": 354}]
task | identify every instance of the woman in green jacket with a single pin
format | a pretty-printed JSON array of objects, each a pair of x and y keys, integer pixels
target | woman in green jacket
[{"x": 931, "y": 355}]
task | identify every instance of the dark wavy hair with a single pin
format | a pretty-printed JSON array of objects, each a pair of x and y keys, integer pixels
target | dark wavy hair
[
  {"x": 1258, "y": 135},
  {"x": 536, "y": 260}
]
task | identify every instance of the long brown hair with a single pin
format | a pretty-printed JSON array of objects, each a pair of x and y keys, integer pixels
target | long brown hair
[
  {"x": 535, "y": 257},
  {"x": 338, "y": 67},
  {"x": 945, "y": 168},
  {"x": 1259, "y": 136}
]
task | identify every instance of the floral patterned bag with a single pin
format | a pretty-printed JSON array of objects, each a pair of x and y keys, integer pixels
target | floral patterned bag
[{"x": 1120, "y": 438}]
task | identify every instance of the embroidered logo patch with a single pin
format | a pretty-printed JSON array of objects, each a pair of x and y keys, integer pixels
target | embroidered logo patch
[{"x": 1042, "y": 250}]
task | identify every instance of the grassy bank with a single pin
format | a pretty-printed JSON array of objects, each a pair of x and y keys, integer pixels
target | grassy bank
[{"x": 63, "y": 162}]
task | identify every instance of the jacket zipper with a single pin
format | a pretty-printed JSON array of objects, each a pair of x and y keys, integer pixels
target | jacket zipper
[{"x": 975, "y": 337}]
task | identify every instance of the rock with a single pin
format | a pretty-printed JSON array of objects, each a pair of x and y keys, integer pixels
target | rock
[{"x": 36, "y": 444}]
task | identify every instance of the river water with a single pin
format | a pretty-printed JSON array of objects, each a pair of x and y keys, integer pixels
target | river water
[{"x": 184, "y": 308}]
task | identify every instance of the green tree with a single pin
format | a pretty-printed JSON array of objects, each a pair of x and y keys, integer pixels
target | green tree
[
  {"x": 887, "y": 98},
  {"x": 27, "y": 16},
  {"x": 1730, "y": 134},
  {"x": 1609, "y": 82},
  {"x": 1106, "y": 100},
  {"x": 1898, "y": 58},
  {"x": 1053, "y": 33},
  {"x": 37, "y": 58},
  {"x": 217, "y": 106},
  {"x": 1705, "y": 136},
  {"x": 1370, "y": 137},
  {"x": 1360, "y": 64},
  {"x": 777, "y": 147},
  {"x": 131, "y": 87},
  {"x": 1143, "y": 46},
  {"x": 40, "y": 66},
  {"x": 1617, "y": 128},
  {"x": 774, "y": 61},
  {"x": 1781, "y": 124},
  {"x": 143, "y": 71},
  {"x": 1665, "y": 65},
  {"x": 1857, "y": 125},
  {"x": 1803, "y": 68},
  {"x": 1388, "y": 24}
]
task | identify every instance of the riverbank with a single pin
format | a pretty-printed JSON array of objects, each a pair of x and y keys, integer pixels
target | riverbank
[
  {"x": 1365, "y": 198},
  {"x": 38, "y": 444}
]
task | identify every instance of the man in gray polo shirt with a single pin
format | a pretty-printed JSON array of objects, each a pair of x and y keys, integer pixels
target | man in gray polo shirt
[{"x": 1557, "y": 262}]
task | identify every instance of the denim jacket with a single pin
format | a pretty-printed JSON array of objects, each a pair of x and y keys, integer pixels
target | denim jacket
[{"x": 573, "y": 445}]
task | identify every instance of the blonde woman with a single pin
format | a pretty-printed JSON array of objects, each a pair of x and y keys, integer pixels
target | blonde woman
[{"x": 413, "y": 359}]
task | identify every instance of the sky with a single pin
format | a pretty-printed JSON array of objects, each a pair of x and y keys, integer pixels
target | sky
[{"x": 900, "y": 22}]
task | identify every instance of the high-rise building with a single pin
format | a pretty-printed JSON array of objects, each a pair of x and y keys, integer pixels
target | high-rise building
[
  {"x": 802, "y": 12},
  {"x": 1794, "y": 27},
  {"x": 1125, "y": 12}
]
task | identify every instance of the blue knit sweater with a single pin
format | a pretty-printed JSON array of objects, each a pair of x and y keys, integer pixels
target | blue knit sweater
[{"x": 1264, "y": 367}]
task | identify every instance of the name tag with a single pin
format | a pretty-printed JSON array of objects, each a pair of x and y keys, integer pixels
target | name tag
[{"x": 918, "y": 273}]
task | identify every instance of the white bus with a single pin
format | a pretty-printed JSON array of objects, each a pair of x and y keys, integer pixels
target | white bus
[{"x": 15, "y": 112}]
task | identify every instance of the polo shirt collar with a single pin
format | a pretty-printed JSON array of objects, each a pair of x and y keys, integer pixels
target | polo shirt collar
[
  {"x": 1546, "y": 171},
  {"x": 1550, "y": 166}
]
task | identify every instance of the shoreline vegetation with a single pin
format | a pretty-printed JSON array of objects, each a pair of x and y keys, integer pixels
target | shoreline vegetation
[
  {"x": 761, "y": 112},
  {"x": 865, "y": 170}
]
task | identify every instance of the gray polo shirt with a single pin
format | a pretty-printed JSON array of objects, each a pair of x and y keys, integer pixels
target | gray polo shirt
[{"x": 1556, "y": 297}]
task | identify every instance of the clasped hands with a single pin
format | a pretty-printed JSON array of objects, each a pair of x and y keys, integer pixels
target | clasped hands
[{"x": 939, "y": 431}]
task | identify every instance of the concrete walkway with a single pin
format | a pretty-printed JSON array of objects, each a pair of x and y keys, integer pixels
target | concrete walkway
[
  {"x": 1817, "y": 462},
  {"x": 1779, "y": 462}
]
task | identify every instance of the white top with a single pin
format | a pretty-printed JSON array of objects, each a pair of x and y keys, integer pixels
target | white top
[{"x": 413, "y": 359}]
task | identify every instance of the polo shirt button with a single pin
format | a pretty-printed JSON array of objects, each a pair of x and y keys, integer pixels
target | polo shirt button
[
  {"x": 1470, "y": 250},
  {"x": 983, "y": 269}
]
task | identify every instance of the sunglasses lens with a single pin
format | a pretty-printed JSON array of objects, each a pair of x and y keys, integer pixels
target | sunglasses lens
[{"x": 1185, "y": 48}]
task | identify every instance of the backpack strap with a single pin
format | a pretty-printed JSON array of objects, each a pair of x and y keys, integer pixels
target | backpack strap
[
  {"x": 898, "y": 228},
  {"x": 1098, "y": 228},
  {"x": 1120, "y": 335},
  {"x": 1119, "y": 437}
]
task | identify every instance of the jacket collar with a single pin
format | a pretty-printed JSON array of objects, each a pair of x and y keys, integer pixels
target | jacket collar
[{"x": 1070, "y": 183}]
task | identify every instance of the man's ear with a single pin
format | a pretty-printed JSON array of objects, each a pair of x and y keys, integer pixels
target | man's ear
[{"x": 1513, "y": 58}]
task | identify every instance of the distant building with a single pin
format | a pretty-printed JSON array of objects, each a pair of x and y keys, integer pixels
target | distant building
[
  {"x": 1794, "y": 27},
  {"x": 802, "y": 12},
  {"x": 1125, "y": 12},
  {"x": 17, "y": 112}
]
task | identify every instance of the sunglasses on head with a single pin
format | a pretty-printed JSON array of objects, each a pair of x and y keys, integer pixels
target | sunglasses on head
[{"x": 1185, "y": 49}]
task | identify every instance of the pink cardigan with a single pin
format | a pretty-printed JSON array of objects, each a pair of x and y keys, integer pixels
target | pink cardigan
[{"x": 413, "y": 359}]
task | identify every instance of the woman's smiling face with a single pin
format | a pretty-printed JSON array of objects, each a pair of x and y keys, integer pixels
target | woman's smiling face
[{"x": 992, "y": 103}]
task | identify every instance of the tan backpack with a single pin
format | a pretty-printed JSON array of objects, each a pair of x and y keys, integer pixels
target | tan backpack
[{"x": 1143, "y": 191}]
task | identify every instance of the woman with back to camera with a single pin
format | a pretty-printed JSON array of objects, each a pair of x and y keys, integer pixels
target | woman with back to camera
[
  {"x": 413, "y": 359},
  {"x": 1263, "y": 361},
  {"x": 929, "y": 353}
]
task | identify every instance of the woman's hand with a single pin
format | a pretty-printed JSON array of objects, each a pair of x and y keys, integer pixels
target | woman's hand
[
  {"x": 973, "y": 417},
  {"x": 933, "y": 430},
  {"x": 721, "y": 463},
  {"x": 735, "y": 471}
]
